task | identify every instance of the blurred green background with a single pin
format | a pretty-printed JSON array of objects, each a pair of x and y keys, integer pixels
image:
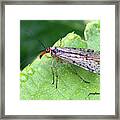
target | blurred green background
[{"x": 36, "y": 33}]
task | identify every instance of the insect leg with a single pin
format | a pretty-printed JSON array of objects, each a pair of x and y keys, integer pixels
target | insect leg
[
  {"x": 56, "y": 77},
  {"x": 95, "y": 93},
  {"x": 79, "y": 75},
  {"x": 53, "y": 75},
  {"x": 48, "y": 56}
]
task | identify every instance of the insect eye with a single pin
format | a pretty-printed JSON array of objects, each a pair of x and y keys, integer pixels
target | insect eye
[{"x": 48, "y": 50}]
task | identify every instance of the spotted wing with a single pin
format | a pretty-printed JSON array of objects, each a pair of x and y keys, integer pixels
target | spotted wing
[{"x": 85, "y": 58}]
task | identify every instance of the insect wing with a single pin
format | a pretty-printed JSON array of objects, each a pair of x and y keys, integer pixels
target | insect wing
[{"x": 85, "y": 58}]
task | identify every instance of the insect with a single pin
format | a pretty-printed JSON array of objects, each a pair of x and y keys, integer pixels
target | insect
[{"x": 88, "y": 59}]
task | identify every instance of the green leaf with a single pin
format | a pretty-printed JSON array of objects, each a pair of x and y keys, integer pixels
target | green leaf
[
  {"x": 36, "y": 79},
  {"x": 92, "y": 35}
]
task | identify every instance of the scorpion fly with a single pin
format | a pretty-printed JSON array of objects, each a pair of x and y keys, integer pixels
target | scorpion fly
[{"x": 87, "y": 59}]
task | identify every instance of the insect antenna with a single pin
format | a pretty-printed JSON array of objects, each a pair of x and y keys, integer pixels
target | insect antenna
[
  {"x": 42, "y": 44},
  {"x": 43, "y": 51},
  {"x": 27, "y": 60}
]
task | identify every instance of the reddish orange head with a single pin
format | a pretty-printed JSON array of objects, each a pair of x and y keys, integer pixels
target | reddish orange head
[
  {"x": 43, "y": 52},
  {"x": 47, "y": 50}
]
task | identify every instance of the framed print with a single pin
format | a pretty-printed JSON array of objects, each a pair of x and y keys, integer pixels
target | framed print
[{"x": 60, "y": 59}]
